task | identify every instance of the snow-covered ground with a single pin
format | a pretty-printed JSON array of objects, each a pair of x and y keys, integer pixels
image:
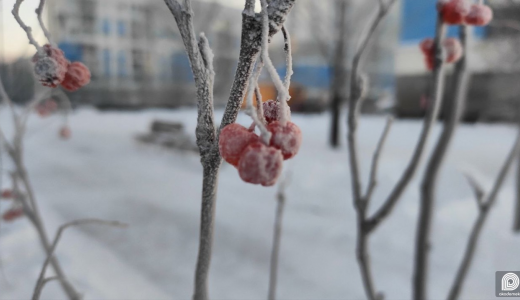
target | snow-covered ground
[{"x": 103, "y": 172}]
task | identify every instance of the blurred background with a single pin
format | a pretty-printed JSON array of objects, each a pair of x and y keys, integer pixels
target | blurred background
[{"x": 133, "y": 156}]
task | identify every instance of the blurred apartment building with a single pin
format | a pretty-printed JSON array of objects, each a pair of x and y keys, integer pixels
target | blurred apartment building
[{"x": 134, "y": 50}]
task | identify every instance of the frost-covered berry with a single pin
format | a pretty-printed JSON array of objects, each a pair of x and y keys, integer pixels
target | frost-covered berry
[
  {"x": 234, "y": 138},
  {"x": 46, "y": 108},
  {"x": 452, "y": 47},
  {"x": 260, "y": 164},
  {"x": 7, "y": 194},
  {"x": 272, "y": 111},
  {"x": 50, "y": 66},
  {"x": 287, "y": 138},
  {"x": 426, "y": 47},
  {"x": 479, "y": 15},
  {"x": 453, "y": 12},
  {"x": 65, "y": 133},
  {"x": 78, "y": 75},
  {"x": 12, "y": 214}
]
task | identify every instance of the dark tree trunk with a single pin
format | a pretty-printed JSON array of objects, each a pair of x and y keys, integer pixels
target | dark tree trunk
[{"x": 339, "y": 75}]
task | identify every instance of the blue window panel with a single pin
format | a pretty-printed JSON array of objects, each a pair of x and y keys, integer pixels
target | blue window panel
[
  {"x": 121, "y": 64},
  {"x": 310, "y": 75},
  {"x": 106, "y": 62},
  {"x": 121, "y": 28},
  {"x": 419, "y": 18},
  {"x": 105, "y": 27},
  {"x": 73, "y": 52}
]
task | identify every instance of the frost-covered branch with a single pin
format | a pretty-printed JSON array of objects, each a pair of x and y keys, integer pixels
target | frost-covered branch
[
  {"x": 288, "y": 58},
  {"x": 431, "y": 176},
  {"x": 431, "y": 117},
  {"x": 27, "y": 29},
  {"x": 375, "y": 160},
  {"x": 207, "y": 135},
  {"x": 255, "y": 112},
  {"x": 27, "y": 197},
  {"x": 485, "y": 206},
  {"x": 39, "y": 12},
  {"x": 277, "y": 236},
  {"x": 41, "y": 278},
  {"x": 357, "y": 92}
]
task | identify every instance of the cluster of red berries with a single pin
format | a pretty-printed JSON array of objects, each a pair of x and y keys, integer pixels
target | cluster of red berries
[
  {"x": 257, "y": 162},
  {"x": 455, "y": 12},
  {"x": 458, "y": 12},
  {"x": 52, "y": 69},
  {"x": 452, "y": 47},
  {"x": 15, "y": 212}
]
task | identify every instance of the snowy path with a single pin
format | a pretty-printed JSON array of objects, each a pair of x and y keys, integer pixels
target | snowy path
[{"x": 102, "y": 172}]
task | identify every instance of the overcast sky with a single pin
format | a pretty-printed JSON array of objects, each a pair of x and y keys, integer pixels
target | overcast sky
[{"x": 15, "y": 43}]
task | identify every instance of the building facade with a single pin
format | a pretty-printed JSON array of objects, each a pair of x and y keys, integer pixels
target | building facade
[{"x": 132, "y": 48}]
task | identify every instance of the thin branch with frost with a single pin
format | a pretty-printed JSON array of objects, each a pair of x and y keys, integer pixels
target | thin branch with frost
[
  {"x": 27, "y": 29},
  {"x": 250, "y": 108},
  {"x": 281, "y": 87},
  {"x": 288, "y": 58},
  {"x": 431, "y": 117},
  {"x": 41, "y": 278},
  {"x": 485, "y": 206},
  {"x": 477, "y": 188},
  {"x": 357, "y": 92},
  {"x": 277, "y": 236},
  {"x": 431, "y": 174},
  {"x": 375, "y": 160},
  {"x": 39, "y": 12},
  {"x": 28, "y": 199},
  {"x": 207, "y": 135}
]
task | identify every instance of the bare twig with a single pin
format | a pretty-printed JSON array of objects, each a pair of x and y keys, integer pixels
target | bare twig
[
  {"x": 277, "y": 236},
  {"x": 15, "y": 150},
  {"x": 431, "y": 173},
  {"x": 27, "y": 29},
  {"x": 39, "y": 12},
  {"x": 357, "y": 93},
  {"x": 478, "y": 190},
  {"x": 484, "y": 209},
  {"x": 288, "y": 57},
  {"x": 414, "y": 163},
  {"x": 41, "y": 278},
  {"x": 375, "y": 161}
]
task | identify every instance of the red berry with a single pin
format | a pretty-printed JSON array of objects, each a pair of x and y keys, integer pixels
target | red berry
[
  {"x": 260, "y": 164},
  {"x": 287, "y": 138},
  {"x": 453, "y": 12},
  {"x": 234, "y": 138},
  {"x": 427, "y": 46},
  {"x": 453, "y": 49},
  {"x": 50, "y": 66},
  {"x": 272, "y": 111},
  {"x": 7, "y": 194},
  {"x": 479, "y": 15},
  {"x": 46, "y": 108},
  {"x": 427, "y": 49},
  {"x": 65, "y": 133},
  {"x": 78, "y": 75},
  {"x": 12, "y": 214}
]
